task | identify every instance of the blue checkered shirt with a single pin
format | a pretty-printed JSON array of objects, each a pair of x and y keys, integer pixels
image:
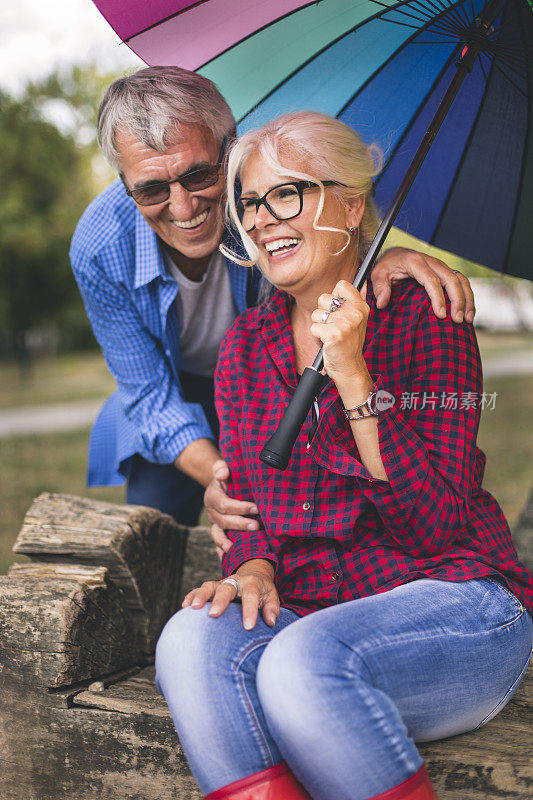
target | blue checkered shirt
[{"x": 118, "y": 264}]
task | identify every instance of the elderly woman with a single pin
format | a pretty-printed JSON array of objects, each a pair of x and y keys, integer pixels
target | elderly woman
[{"x": 392, "y": 602}]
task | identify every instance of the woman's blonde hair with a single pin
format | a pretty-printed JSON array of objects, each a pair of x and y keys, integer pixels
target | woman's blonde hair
[{"x": 334, "y": 149}]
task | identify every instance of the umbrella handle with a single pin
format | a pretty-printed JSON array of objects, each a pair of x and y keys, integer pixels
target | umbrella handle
[{"x": 277, "y": 451}]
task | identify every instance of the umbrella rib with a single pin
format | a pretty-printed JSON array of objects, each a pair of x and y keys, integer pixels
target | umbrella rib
[
  {"x": 248, "y": 36},
  {"x": 512, "y": 56},
  {"x": 463, "y": 15},
  {"x": 426, "y": 28},
  {"x": 517, "y": 66},
  {"x": 448, "y": 10},
  {"x": 506, "y": 64},
  {"x": 165, "y": 19},
  {"x": 403, "y": 24},
  {"x": 401, "y": 141},
  {"x": 429, "y": 7},
  {"x": 452, "y": 10},
  {"x": 508, "y": 47},
  {"x": 400, "y": 11},
  {"x": 413, "y": 16},
  {"x": 446, "y": 15},
  {"x": 483, "y": 68},
  {"x": 444, "y": 24},
  {"x": 445, "y": 19},
  {"x": 511, "y": 81},
  {"x": 459, "y": 166},
  {"x": 446, "y": 31},
  {"x": 378, "y": 15},
  {"x": 453, "y": 29}
]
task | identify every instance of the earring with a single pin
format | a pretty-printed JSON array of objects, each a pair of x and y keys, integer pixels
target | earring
[{"x": 352, "y": 231}]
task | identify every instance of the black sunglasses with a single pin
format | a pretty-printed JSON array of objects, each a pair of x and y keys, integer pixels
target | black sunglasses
[
  {"x": 193, "y": 181},
  {"x": 283, "y": 202}
]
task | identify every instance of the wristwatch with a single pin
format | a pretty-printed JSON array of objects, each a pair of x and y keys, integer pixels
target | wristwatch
[{"x": 366, "y": 409}]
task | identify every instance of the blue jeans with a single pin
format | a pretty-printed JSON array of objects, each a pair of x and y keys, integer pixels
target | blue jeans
[
  {"x": 342, "y": 694},
  {"x": 163, "y": 486}
]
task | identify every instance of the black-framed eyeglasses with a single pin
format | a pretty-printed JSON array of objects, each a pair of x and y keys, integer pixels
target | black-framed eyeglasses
[
  {"x": 193, "y": 180},
  {"x": 284, "y": 201}
]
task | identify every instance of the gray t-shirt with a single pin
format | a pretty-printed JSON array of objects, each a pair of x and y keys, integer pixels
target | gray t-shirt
[{"x": 205, "y": 309}]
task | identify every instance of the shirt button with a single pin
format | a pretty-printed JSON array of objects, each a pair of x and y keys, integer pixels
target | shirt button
[
  {"x": 335, "y": 576},
  {"x": 306, "y": 506}
]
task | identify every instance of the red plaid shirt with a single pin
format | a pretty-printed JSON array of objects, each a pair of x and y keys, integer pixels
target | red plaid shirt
[{"x": 332, "y": 531}]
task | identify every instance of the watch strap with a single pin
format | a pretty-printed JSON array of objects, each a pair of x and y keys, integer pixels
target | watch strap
[{"x": 366, "y": 409}]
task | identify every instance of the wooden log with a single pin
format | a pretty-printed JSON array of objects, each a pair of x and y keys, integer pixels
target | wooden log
[
  {"x": 81, "y": 753},
  {"x": 136, "y": 694},
  {"x": 62, "y": 624},
  {"x": 201, "y": 560},
  {"x": 142, "y": 549},
  {"x": 114, "y": 738},
  {"x": 492, "y": 763},
  {"x": 128, "y": 748}
]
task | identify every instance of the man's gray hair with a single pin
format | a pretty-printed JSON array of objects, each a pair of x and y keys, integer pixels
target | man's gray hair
[{"x": 154, "y": 102}]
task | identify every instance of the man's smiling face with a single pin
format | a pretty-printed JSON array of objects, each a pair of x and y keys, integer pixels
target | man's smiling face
[{"x": 189, "y": 222}]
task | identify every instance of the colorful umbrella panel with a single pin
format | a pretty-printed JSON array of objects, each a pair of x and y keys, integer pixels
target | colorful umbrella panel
[{"x": 382, "y": 68}]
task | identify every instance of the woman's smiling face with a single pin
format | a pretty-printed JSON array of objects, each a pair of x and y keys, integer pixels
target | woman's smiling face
[{"x": 293, "y": 255}]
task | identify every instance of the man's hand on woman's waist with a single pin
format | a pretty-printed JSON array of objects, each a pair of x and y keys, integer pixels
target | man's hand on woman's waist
[{"x": 224, "y": 512}]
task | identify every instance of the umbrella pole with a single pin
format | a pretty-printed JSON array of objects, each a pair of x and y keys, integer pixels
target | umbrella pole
[{"x": 277, "y": 451}]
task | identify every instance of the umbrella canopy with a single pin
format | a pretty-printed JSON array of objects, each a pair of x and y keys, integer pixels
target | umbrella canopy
[{"x": 381, "y": 67}]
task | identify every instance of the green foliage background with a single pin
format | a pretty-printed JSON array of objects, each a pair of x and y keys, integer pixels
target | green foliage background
[{"x": 49, "y": 172}]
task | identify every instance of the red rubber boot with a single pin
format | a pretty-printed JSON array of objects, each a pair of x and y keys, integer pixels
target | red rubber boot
[
  {"x": 274, "y": 783},
  {"x": 278, "y": 783},
  {"x": 417, "y": 787}
]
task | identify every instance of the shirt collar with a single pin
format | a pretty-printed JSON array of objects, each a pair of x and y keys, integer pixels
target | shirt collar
[
  {"x": 149, "y": 260},
  {"x": 276, "y": 331},
  {"x": 277, "y": 335}
]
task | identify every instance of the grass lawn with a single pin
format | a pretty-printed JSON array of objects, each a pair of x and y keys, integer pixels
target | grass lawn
[
  {"x": 33, "y": 464},
  {"x": 506, "y": 437},
  {"x": 56, "y": 462},
  {"x": 56, "y": 380}
]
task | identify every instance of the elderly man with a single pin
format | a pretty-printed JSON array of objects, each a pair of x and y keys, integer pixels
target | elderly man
[{"x": 160, "y": 296}]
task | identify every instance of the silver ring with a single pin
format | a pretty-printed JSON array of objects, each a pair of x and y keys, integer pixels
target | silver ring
[
  {"x": 336, "y": 303},
  {"x": 324, "y": 317},
  {"x": 233, "y": 583}
]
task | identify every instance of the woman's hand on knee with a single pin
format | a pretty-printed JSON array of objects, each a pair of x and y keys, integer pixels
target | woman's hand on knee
[{"x": 256, "y": 591}]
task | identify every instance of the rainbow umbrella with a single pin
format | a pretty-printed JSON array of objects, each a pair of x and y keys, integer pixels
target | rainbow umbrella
[
  {"x": 383, "y": 68},
  {"x": 394, "y": 71}
]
